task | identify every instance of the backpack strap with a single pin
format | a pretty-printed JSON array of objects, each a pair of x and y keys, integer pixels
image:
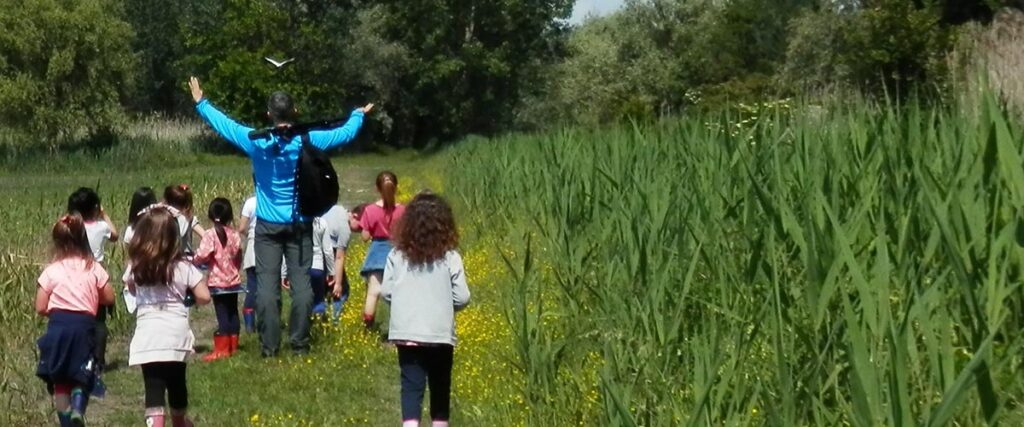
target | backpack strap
[{"x": 304, "y": 136}]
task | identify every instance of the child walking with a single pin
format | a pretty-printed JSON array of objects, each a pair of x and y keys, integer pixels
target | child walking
[
  {"x": 71, "y": 289},
  {"x": 142, "y": 198},
  {"x": 99, "y": 229},
  {"x": 425, "y": 283},
  {"x": 179, "y": 197},
  {"x": 340, "y": 288},
  {"x": 160, "y": 277},
  {"x": 321, "y": 272},
  {"x": 376, "y": 222},
  {"x": 248, "y": 226},
  {"x": 220, "y": 250}
]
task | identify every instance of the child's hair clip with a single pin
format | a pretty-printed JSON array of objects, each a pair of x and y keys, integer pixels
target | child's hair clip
[
  {"x": 66, "y": 219},
  {"x": 154, "y": 207},
  {"x": 183, "y": 187}
]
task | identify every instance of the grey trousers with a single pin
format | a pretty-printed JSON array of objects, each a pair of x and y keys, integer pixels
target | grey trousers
[{"x": 296, "y": 244}]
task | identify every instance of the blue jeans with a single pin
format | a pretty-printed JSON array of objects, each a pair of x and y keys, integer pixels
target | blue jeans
[
  {"x": 250, "y": 288},
  {"x": 318, "y": 281}
]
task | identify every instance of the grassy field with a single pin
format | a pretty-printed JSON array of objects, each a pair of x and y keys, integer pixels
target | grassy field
[
  {"x": 349, "y": 379},
  {"x": 781, "y": 265}
]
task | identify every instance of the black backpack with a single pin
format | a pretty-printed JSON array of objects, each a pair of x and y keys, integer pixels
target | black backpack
[{"x": 316, "y": 182}]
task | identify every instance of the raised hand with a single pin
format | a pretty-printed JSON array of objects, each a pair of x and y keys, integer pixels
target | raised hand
[
  {"x": 197, "y": 92},
  {"x": 366, "y": 109}
]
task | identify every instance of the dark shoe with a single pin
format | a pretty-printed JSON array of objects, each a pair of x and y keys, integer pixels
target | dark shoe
[{"x": 99, "y": 390}]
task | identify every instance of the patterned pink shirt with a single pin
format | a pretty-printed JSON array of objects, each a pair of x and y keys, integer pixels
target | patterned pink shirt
[{"x": 223, "y": 260}]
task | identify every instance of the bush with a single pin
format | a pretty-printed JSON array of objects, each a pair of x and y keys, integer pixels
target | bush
[{"x": 64, "y": 68}]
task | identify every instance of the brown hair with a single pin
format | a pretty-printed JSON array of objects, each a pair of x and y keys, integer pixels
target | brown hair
[
  {"x": 387, "y": 186},
  {"x": 155, "y": 248},
  {"x": 179, "y": 196},
  {"x": 426, "y": 230},
  {"x": 70, "y": 240}
]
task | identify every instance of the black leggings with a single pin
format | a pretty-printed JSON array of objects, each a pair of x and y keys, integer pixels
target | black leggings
[
  {"x": 100, "y": 351},
  {"x": 226, "y": 306},
  {"x": 165, "y": 377},
  {"x": 421, "y": 365}
]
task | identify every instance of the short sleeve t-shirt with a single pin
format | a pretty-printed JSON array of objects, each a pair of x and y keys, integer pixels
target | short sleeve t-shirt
[
  {"x": 98, "y": 233},
  {"x": 129, "y": 232},
  {"x": 336, "y": 225},
  {"x": 185, "y": 226},
  {"x": 378, "y": 221},
  {"x": 186, "y": 276},
  {"x": 249, "y": 211},
  {"x": 74, "y": 284}
]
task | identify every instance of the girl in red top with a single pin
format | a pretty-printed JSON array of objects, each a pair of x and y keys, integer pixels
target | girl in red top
[
  {"x": 71, "y": 289},
  {"x": 220, "y": 250},
  {"x": 376, "y": 223}
]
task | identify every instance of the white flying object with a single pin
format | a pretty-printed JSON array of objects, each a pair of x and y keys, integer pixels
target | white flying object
[{"x": 278, "y": 64}]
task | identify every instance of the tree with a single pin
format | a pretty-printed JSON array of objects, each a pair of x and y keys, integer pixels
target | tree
[
  {"x": 471, "y": 60},
  {"x": 64, "y": 67},
  {"x": 226, "y": 43}
]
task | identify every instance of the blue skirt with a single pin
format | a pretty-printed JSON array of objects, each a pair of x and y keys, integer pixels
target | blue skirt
[
  {"x": 376, "y": 256},
  {"x": 66, "y": 350}
]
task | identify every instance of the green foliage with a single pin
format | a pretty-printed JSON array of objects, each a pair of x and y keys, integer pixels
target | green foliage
[
  {"x": 159, "y": 45},
  {"x": 894, "y": 45},
  {"x": 65, "y": 67},
  {"x": 226, "y": 45},
  {"x": 471, "y": 60},
  {"x": 884, "y": 46},
  {"x": 644, "y": 60}
]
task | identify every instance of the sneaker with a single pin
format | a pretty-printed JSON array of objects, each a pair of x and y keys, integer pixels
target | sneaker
[{"x": 319, "y": 308}]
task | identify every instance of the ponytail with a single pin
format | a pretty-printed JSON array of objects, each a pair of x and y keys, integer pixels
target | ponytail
[
  {"x": 387, "y": 185},
  {"x": 220, "y": 213},
  {"x": 220, "y": 233},
  {"x": 70, "y": 239}
]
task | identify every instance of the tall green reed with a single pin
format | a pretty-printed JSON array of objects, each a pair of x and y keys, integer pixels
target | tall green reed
[{"x": 858, "y": 267}]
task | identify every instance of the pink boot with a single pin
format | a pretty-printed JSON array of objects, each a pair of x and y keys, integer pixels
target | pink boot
[{"x": 154, "y": 417}]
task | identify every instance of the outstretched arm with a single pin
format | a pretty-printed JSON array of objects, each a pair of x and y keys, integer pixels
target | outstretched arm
[
  {"x": 226, "y": 127},
  {"x": 328, "y": 139}
]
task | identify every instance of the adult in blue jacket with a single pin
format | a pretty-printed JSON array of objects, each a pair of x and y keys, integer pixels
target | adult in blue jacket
[{"x": 280, "y": 229}]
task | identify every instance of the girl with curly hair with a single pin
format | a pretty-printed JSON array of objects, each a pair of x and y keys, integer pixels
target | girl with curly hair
[{"x": 425, "y": 283}]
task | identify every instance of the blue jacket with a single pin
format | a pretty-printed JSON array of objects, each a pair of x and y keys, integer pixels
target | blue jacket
[{"x": 274, "y": 160}]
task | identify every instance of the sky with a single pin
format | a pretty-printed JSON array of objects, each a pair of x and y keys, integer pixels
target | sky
[{"x": 597, "y": 7}]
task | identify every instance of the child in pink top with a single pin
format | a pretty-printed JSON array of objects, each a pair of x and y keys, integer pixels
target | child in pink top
[
  {"x": 376, "y": 223},
  {"x": 221, "y": 251},
  {"x": 71, "y": 289}
]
